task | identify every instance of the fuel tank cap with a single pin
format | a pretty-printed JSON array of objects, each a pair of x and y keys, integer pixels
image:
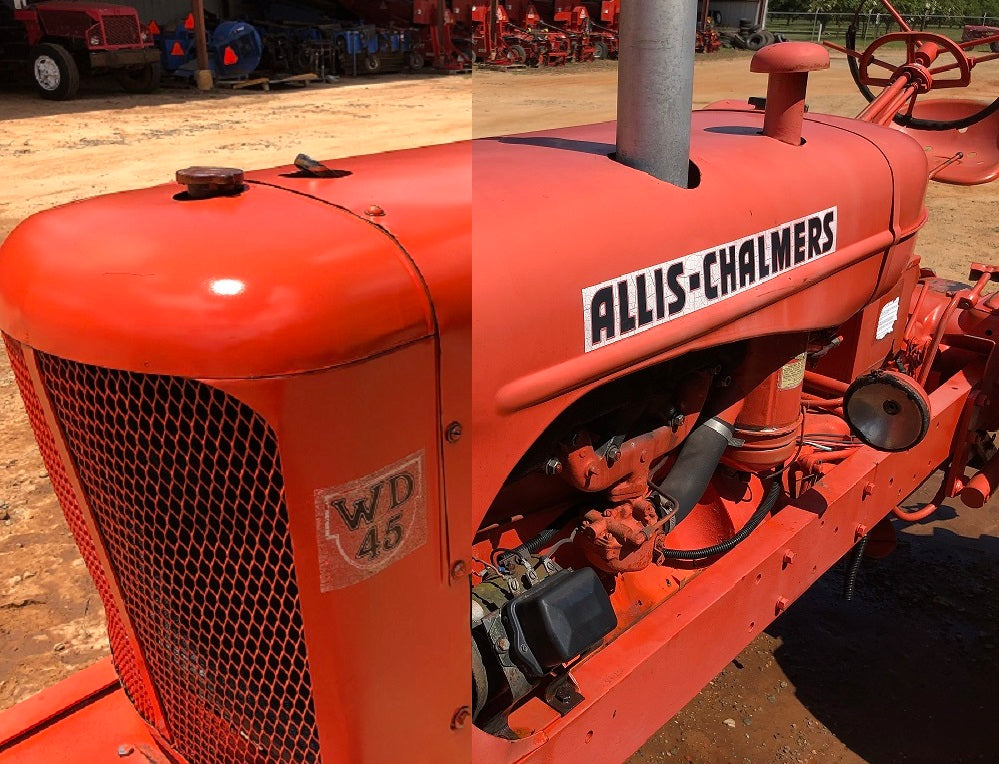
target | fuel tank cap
[{"x": 205, "y": 182}]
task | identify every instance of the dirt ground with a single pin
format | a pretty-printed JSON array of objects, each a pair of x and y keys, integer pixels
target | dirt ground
[{"x": 905, "y": 672}]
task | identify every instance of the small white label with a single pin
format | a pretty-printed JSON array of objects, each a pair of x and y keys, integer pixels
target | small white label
[
  {"x": 792, "y": 374},
  {"x": 887, "y": 319}
]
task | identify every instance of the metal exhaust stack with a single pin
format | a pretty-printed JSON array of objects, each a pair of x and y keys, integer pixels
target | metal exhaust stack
[{"x": 656, "y": 87}]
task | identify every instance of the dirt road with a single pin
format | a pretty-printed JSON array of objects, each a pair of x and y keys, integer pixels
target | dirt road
[{"x": 905, "y": 672}]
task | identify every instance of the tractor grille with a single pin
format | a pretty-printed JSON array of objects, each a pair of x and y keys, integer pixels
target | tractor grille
[
  {"x": 122, "y": 651},
  {"x": 121, "y": 30},
  {"x": 184, "y": 483}
]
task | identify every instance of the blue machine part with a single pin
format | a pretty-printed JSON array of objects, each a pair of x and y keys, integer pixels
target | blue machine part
[{"x": 236, "y": 49}]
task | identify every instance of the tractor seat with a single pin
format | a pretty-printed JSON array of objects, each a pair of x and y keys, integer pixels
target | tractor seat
[{"x": 980, "y": 142}]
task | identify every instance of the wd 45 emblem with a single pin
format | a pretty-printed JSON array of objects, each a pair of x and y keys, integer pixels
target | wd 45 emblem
[{"x": 367, "y": 524}]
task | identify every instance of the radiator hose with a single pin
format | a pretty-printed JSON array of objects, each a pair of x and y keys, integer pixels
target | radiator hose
[{"x": 697, "y": 461}]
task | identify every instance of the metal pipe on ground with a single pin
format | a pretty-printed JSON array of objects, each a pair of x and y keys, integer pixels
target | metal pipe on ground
[{"x": 656, "y": 87}]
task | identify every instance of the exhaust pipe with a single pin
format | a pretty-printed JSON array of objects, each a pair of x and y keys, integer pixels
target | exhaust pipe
[{"x": 656, "y": 87}]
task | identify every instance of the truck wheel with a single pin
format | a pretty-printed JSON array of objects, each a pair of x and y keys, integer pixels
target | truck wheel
[
  {"x": 56, "y": 75},
  {"x": 146, "y": 79},
  {"x": 756, "y": 40},
  {"x": 600, "y": 50},
  {"x": 372, "y": 63},
  {"x": 415, "y": 61}
]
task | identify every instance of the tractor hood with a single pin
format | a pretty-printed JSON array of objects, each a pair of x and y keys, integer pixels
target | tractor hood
[
  {"x": 290, "y": 275},
  {"x": 604, "y": 266}
]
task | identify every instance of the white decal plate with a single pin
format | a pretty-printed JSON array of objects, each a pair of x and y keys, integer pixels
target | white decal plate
[
  {"x": 887, "y": 319},
  {"x": 367, "y": 524},
  {"x": 635, "y": 302}
]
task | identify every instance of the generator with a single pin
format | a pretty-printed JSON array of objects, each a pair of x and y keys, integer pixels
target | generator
[{"x": 358, "y": 480}]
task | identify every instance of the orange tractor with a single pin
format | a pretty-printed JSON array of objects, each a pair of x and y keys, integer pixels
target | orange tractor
[{"x": 359, "y": 481}]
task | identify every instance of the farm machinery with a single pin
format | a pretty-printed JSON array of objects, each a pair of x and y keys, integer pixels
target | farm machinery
[
  {"x": 356, "y": 475},
  {"x": 509, "y": 35},
  {"x": 57, "y": 42}
]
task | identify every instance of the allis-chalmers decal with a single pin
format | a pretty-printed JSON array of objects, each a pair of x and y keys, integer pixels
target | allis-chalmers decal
[
  {"x": 367, "y": 524},
  {"x": 624, "y": 306}
]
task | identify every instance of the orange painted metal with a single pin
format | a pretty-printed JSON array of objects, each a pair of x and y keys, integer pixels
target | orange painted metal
[
  {"x": 302, "y": 591},
  {"x": 347, "y": 336},
  {"x": 520, "y": 391},
  {"x": 965, "y": 158}
]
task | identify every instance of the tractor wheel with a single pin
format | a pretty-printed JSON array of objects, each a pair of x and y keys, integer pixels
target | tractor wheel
[
  {"x": 600, "y": 50},
  {"x": 771, "y": 37},
  {"x": 372, "y": 63},
  {"x": 737, "y": 42},
  {"x": 414, "y": 61},
  {"x": 518, "y": 54},
  {"x": 146, "y": 79},
  {"x": 56, "y": 75},
  {"x": 756, "y": 40}
]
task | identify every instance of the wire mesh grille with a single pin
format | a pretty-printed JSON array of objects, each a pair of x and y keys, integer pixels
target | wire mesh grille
[
  {"x": 122, "y": 651},
  {"x": 186, "y": 489},
  {"x": 120, "y": 30}
]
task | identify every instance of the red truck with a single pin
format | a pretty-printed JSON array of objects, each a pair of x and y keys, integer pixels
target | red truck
[{"x": 59, "y": 41}]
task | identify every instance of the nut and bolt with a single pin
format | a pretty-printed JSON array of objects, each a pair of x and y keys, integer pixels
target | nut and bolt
[
  {"x": 860, "y": 531},
  {"x": 374, "y": 211},
  {"x": 788, "y": 557},
  {"x": 453, "y": 432},
  {"x": 676, "y": 420},
  {"x": 613, "y": 454},
  {"x": 461, "y": 717},
  {"x": 503, "y": 644},
  {"x": 553, "y": 466},
  {"x": 868, "y": 489},
  {"x": 458, "y": 569},
  {"x": 125, "y": 750},
  {"x": 781, "y": 606}
]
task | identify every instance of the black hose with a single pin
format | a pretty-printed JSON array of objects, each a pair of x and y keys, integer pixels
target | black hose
[
  {"x": 853, "y": 567},
  {"x": 539, "y": 542},
  {"x": 697, "y": 461},
  {"x": 765, "y": 508}
]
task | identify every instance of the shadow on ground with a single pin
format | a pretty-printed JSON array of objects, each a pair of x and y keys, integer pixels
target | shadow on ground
[{"x": 907, "y": 670}]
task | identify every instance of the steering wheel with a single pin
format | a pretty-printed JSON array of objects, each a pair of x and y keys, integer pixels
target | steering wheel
[{"x": 922, "y": 49}]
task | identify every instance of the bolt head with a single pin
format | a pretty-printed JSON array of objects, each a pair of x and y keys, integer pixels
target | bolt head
[
  {"x": 788, "y": 557},
  {"x": 125, "y": 750},
  {"x": 458, "y": 569},
  {"x": 503, "y": 644},
  {"x": 553, "y": 466},
  {"x": 374, "y": 211},
  {"x": 453, "y": 432}
]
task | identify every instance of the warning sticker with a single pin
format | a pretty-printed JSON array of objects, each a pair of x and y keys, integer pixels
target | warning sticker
[
  {"x": 369, "y": 523},
  {"x": 887, "y": 319},
  {"x": 792, "y": 374}
]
